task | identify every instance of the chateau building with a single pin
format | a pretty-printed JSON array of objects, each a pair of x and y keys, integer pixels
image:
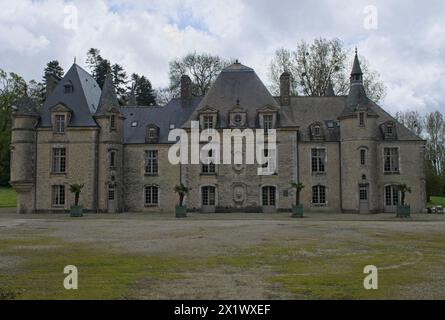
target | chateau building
[{"x": 348, "y": 152}]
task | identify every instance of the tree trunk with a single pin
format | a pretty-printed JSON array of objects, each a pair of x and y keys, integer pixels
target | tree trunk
[
  {"x": 181, "y": 199},
  {"x": 76, "y": 199}
]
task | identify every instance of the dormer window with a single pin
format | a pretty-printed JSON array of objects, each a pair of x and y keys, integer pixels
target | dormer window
[
  {"x": 68, "y": 88},
  {"x": 238, "y": 119},
  {"x": 152, "y": 134},
  {"x": 268, "y": 121},
  {"x": 390, "y": 129},
  {"x": 134, "y": 124},
  {"x": 60, "y": 123},
  {"x": 317, "y": 131},
  {"x": 208, "y": 122}
]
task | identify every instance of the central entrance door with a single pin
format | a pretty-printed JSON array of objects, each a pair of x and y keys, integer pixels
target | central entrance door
[{"x": 364, "y": 199}]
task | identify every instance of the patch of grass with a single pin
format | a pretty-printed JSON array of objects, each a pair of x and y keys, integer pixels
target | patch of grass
[
  {"x": 436, "y": 201},
  {"x": 8, "y": 197},
  {"x": 102, "y": 274}
]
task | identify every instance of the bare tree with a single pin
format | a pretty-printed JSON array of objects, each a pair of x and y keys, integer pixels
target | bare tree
[
  {"x": 412, "y": 120},
  {"x": 435, "y": 129},
  {"x": 312, "y": 66},
  {"x": 201, "y": 68}
]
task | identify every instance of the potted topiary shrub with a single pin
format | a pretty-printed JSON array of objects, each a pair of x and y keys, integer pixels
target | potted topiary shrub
[
  {"x": 181, "y": 210},
  {"x": 76, "y": 210},
  {"x": 403, "y": 211},
  {"x": 297, "y": 210}
]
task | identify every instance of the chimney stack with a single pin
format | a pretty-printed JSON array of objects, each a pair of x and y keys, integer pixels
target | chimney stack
[
  {"x": 51, "y": 84},
  {"x": 285, "y": 88},
  {"x": 186, "y": 90}
]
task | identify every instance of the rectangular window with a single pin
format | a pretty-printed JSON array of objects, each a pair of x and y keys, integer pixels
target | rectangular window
[
  {"x": 208, "y": 196},
  {"x": 269, "y": 196},
  {"x": 59, "y": 160},
  {"x": 268, "y": 121},
  {"x": 391, "y": 196},
  {"x": 112, "y": 159},
  {"x": 391, "y": 160},
  {"x": 208, "y": 122},
  {"x": 318, "y": 160},
  {"x": 363, "y": 157},
  {"x": 112, "y": 122},
  {"x": 319, "y": 195},
  {"x": 363, "y": 193},
  {"x": 151, "y": 162},
  {"x": 151, "y": 196},
  {"x": 361, "y": 118},
  {"x": 111, "y": 192},
  {"x": 60, "y": 123},
  {"x": 208, "y": 168},
  {"x": 58, "y": 196}
]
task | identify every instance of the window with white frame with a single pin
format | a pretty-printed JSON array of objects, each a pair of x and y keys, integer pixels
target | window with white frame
[
  {"x": 151, "y": 195},
  {"x": 319, "y": 195},
  {"x": 268, "y": 195},
  {"x": 208, "y": 122},
  {"x": 60, "y": 123},
  {"x": 208, "y": 168},
  {"x": 58, "y": 196},
  {"x": 208, "y": 195},
  {"x": 318, "y": 159},
  {"x": 151, "y": 162},
  {"x": 59, "y": 160},
  {"x": 391, "y": 160},
  {"x": 391, "y": 196},
  {"x": 268, "y": 121}
]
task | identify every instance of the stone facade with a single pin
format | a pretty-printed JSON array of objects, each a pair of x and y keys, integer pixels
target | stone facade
[{"x": 347, "y": 151}]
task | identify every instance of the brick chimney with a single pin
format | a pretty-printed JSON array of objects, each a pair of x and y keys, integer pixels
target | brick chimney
[
  {"x": 285, "y": 88},
  {"x": 51, "y": 84},
  {"x": 186, "y": 90}
]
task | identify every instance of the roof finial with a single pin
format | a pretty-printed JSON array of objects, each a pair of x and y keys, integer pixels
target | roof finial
[
  {"x": 355, "y": 49},
  {"x": 74, "y": 59}
]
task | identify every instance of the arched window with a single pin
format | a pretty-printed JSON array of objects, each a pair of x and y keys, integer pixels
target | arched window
[
  {"x": 151, "y": 195},
  {"x": 112, "y": 158},
  {"x": 319, "y": 195},
  {"x": 268, "y": 196},
  {"x": 363, "y": 157}
]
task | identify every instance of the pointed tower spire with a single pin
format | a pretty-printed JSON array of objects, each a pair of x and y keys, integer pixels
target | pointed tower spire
[
  {"x": 329, "y": 89},
  {"x": 108, "y": 98},
  {"x": 356, "y": 73}
]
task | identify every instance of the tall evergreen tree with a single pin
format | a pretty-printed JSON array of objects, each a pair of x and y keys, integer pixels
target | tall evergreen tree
[
  {"x": 52, "y": 68},
  {"x": 142, "y": 90}
]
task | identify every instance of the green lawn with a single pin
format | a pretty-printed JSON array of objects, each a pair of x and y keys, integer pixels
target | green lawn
[
  {"x": 8, "y": 197},
  {"x": 436, "y": 201}
]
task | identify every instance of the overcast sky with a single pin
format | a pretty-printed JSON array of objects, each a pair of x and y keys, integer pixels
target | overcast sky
[{"x": 407, "y": 47}]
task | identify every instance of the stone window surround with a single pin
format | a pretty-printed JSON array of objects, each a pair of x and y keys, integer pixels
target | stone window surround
[
  {"x": 112, "y": 118},
  {"x": 149, "y": 205},
  {"x": 261, "y": 115},
  {"x": 325, "y": 204},
  {"x": 325, "y": 160},
  {"x": 276, "y": 160},
  {"x": 145, "y": 154},
  {"x": 67, "y": 116},
  {"x": 109, "y": 152},
  {"x": 238, "y": 113},
  {"x": 201, "y": 190},
  {"x": 366, "y": 150},
  {"x": 51, "y": 155},
  {"x": 208, "y": 112},
  {"x": 398, "y": 160},
  {"x": 313, "y": 133},
  {"x": 277, "y": 194},
  {"x": 53, "y": 204},
  {"x": 152, "y": 129}
]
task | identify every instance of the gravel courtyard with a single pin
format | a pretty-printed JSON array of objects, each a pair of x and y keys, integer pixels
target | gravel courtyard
[{"x": 222, "y": 256}]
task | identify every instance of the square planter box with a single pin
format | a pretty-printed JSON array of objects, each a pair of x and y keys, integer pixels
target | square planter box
[
  {"x": 297, "y": 211},
  {"x": 76, "y": 211},
  {"x": 403, "y": 211},
  {"x": 181, "y": 211}
]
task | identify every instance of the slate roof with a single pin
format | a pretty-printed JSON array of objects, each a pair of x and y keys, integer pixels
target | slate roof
[
  {"x": 236, "y": 84},
  {"x": 83, "y": 101},
  {"x": 172, "y": 113},
  {"x": 26, "y": 106}
]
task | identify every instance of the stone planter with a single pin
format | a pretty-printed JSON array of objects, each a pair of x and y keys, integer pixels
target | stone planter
[
  {"x": 76, "y": 211},
  {"x": 181, "y": 211},
  {"x": 297, "y": 211},
  {"x": 403, "y": 211}
]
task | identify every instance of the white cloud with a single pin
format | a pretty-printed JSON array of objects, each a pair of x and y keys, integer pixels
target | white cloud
[{"x": 407, "y": 48}]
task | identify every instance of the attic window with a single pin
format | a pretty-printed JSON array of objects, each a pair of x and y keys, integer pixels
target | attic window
[
  {"x": 330, "y": 124},
  {"x": 317, "y": 131},
  {"x": 172, "y": 125},
  {"x": 68, "y": 88},
  {"x": 134, "y": 124},
  {"x": 361, "y": 118},
  {"x": 238, "y": 118},
  {"x": 390, "y": 129}
]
